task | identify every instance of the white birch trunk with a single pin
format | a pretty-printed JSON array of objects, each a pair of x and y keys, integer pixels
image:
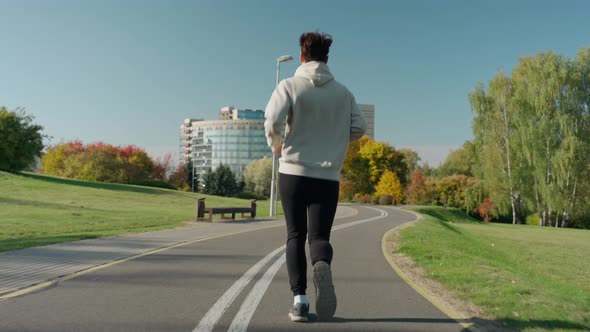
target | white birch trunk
[
  {"x": 508, "y": 165},
  {"x": 541, "y": 213}
]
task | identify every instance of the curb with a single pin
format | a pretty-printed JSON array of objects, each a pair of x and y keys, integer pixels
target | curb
[{"x": 463, "y": 321}]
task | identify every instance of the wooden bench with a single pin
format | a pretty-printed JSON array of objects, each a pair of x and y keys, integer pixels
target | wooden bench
[{"x": 202, "y": 210}]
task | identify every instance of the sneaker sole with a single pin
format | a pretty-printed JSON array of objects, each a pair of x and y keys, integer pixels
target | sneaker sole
[
  {"x": 325, "y": 304},
  {"x": 298, "y": 318}
]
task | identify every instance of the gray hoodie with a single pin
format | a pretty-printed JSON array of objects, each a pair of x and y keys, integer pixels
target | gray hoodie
[{"x": 322, "y": 118}]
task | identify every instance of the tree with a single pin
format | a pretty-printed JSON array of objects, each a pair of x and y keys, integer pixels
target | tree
[
  {"x": 552, "y": 128},
  {"x": 179, "y": 177},
  {"x": 258, "y": 175},
  {"x": 346, "y": 190},
  {"x": 417, "y": 191},
  {"x": 452, "y": 189},
  {"x": 389, "y": 184},
  {"x": 99, "y": 165},
  {"x": 21, "y": 140},
  {"x": 494, "y": 128},
  {"x": 355, "y": 168},
  {"x": 162, "y": 168},
  {"x": 532, "y": 137},
  {"x": 97, "y": 162},
  {"x": 136, "y": 162},
  {"x": 220, "y": 182},
  {"x": 411, "y": 159},
  {"x": 459, "y": 161},
  {"x": 383, "y": 157},
  {"x": 192, "y": 178}
]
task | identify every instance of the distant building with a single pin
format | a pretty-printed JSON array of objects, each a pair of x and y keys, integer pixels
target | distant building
[
  {"x": 235, "y": 139},
  {"x": 369, "y": 115}
]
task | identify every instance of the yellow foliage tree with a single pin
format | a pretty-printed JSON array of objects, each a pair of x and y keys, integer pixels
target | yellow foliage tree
[
  {"x": 382, "y": 157},
  {"x": 389, "y": 184}
]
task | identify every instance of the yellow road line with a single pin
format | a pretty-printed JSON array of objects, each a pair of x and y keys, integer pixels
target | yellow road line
[
  {"x": 464, "y": 321},
  {"x": 49, "y": 283}
]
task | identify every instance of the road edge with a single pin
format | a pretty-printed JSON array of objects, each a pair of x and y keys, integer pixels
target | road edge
[
  {"x": 440, "y": 305},
  {"x": 48, "y": 283},
  {"x": 51, "y": 282}
]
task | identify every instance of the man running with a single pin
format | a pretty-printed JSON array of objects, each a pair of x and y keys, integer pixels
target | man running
[{"x": 322, "y": 119}]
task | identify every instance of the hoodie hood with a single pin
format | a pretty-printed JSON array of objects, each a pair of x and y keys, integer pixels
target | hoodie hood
[{"x": 316, "y": 72}]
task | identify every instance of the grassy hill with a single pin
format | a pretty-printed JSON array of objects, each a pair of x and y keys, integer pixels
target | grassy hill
[
  {"x": 37, "y": 210},
  {"x": 533, "y": 278}
]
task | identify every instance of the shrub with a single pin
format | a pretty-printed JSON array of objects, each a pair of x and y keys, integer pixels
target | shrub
[
  {"x": 385, "y": 200},
  {"x": 451, "y": 190},
  {"x": 532, "y": 219},
  {"x": 485, "y": 209},
  {"x": 375, "y": 199},
  {"x": 389, "y": 184},
  {"x": 346, "y": 190},
  {"x": 363, "y": 199},
  {"x": 417, "y": 192},
  {"x": 258, "y": 175},
  {"x": 21, "y": 141},
  {"x": 97, "y": 162}
]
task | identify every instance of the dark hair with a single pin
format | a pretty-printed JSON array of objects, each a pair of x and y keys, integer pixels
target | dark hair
[{"x": 315, "y": 46}]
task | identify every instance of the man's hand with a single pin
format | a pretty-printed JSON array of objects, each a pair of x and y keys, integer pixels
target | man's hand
[{"x": 277, "y": 151}]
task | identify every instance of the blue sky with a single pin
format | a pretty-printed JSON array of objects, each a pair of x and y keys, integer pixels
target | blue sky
[{"x": 129, "y": 72}]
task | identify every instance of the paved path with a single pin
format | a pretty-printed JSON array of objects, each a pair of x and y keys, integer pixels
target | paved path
[
  {"x": 233, "y": 283},
  {"x": 20, "y": 269}
]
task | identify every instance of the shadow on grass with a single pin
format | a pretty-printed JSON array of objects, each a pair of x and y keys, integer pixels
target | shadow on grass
[
  {"x": 546, "y": 324},
  {"x": 447, "y": 226},
  {"x": 99, "y": 185},
  {"x": 447, "y": 214}
]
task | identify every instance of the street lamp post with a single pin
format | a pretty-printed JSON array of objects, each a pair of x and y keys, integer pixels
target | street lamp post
[
  {"x": 273, "y": 181},
  {"x": 193, "y": 175}
]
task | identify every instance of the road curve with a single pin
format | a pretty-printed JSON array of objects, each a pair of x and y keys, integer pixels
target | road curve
[{"x": 185, "y": 288}]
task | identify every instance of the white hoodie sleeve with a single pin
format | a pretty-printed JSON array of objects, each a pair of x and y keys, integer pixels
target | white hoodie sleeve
[
  {"x": 276, "y": 113},
  {"x": 358, "y": 125}
]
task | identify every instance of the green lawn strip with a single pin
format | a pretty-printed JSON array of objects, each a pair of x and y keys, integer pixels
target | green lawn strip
[
  {"x": 37, "y": 210},
  {"x": 533, "y": 278}
]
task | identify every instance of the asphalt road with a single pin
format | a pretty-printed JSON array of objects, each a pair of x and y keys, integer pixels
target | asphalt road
[{"x": 234, "y": 283}]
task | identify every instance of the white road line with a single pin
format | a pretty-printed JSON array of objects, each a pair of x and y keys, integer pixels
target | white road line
[
  {"x": 250, "y": 304},
  {"x": 210, "y": 319},
  {"x": 358, "y": 222},
  {"x": 242, "y": 319}
]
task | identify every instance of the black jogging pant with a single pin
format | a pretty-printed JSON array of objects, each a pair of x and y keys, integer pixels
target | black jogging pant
[{"x": 302, "y": 197}]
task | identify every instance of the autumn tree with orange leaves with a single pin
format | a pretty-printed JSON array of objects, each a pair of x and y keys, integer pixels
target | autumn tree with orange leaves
[{"x": 97, "y": 162}]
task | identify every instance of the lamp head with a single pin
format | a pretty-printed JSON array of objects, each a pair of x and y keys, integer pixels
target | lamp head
[{"x": 284, "y": 58}]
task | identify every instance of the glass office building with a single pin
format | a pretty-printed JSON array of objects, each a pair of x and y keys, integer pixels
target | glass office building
[
  {"x": 369, "y": 115},
  {"x": 236, "y": 139}
]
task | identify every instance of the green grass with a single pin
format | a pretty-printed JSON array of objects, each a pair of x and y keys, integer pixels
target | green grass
[
  {"x": 532, "y": 278},
  {"x": 37, "y": 210}
]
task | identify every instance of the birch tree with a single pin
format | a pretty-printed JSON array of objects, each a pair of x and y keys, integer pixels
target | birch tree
[
  {"x": 493, "y": 129},
  {"x": 551, "y": 132}
]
